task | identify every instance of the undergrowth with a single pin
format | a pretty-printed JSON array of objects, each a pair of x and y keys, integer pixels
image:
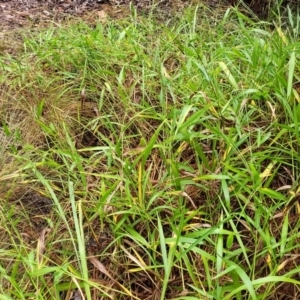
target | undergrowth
[{"x": 150, "y": 160}]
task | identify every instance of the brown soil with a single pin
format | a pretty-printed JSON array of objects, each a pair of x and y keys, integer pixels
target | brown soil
[
  {"x": 27, "y": 13},
  {"x": 34, "y": 13},
  {"x": 19, "y": 13}
]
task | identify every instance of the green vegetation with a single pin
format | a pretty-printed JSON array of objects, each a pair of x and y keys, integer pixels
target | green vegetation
[{"x": 142, "y": 160}]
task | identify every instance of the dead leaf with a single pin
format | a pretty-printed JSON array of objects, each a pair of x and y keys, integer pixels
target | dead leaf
[
  {"x": 41, "y": 245},
  {"x": 97, "y": 264}
]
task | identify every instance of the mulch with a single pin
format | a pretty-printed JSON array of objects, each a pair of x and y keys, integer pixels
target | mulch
[
  {"x": 21, "y": 13},
  {"x": 25, "y": 13}
]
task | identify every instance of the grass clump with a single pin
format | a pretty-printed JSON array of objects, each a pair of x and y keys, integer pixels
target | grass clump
[{"x": 143, "y": 160}]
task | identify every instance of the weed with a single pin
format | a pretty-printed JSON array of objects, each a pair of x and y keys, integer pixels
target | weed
[{"x": 163, "y": 160}]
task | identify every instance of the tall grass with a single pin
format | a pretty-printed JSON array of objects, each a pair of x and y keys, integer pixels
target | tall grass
[{"x": 150, "y": 160}]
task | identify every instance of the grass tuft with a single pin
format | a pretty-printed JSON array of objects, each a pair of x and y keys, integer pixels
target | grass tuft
[{"x": 143, "y": 159}]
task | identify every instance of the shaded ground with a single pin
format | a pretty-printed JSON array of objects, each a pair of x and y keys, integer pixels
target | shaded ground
[{"x": 20, "y": 13}]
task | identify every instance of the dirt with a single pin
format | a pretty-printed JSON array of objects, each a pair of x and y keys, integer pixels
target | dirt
[
  {"x": 27, "y": 13},
  {"x": 20, "y": 13},
  {"x": 35, "y": 13}
]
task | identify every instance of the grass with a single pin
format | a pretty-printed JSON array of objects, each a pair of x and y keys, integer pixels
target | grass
[{"x": 150, "y": 160}]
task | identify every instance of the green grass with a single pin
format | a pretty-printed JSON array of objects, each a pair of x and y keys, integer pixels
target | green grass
[{"x": 149, "y": 160}]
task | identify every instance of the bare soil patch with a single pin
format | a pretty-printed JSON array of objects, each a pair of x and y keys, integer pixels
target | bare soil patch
[{"x": 21, "y": 13}]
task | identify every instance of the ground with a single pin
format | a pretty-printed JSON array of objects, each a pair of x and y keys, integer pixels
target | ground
[
  {"x": 18, "y": 13},
  {"x": 147, "y": 159}
]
